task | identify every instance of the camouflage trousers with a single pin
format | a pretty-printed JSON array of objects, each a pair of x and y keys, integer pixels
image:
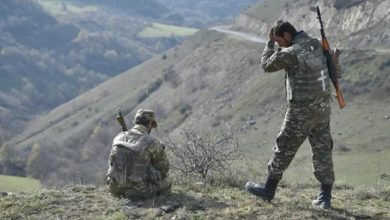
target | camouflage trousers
[
  {"x": 305, "y": 119},
  {"x": 142, "y": 190}
]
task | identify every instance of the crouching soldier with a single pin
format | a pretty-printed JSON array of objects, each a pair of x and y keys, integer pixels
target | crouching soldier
[{"x": 138, "y": 165}]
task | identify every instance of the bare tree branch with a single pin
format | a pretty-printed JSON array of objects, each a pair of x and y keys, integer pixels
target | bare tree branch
[{"x": 194, "y": 153}]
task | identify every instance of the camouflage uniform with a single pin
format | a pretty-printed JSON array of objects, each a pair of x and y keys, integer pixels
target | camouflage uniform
[
  {"x": 308, "y": 110},
  {"x": 138, "y": 165}
]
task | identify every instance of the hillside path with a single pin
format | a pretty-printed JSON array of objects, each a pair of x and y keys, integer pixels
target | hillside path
[{"x": 241, "y": 35}]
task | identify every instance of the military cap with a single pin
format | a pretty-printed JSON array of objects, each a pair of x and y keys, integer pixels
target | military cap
[{"x": 146, "y": 115}]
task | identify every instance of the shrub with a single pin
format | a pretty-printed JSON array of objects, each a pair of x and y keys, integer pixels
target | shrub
[{"x": 202, "y": 154}]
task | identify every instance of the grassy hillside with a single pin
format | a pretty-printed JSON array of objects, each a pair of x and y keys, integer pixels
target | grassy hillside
[
  {"x": 267, "y": 10},
  {"x": 52, "y": 51},
  {"x": 212, "y": 80},
  {"x": 191, "y": 202},
  {"x": 18, "y": 184}
]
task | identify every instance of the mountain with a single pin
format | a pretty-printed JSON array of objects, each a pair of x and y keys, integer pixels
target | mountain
[
  {"x": 359, "y": 24},
  {"x": 48, "y": 58},
  {"x": 52, "y": 51},
  {"x": 206, "y": 82}
]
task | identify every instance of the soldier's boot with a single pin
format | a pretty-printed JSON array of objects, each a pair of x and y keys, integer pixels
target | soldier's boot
[
  {"x": 266, "y": 191},
  {"x": 323, "y": 201}
]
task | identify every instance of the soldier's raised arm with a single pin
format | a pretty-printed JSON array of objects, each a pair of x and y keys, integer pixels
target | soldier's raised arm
[{"x": 274, "y": 60}]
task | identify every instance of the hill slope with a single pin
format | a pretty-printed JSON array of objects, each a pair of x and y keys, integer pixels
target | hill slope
[
  {"x": 210, "y": 80},
  {"x": 351, "y": 23},
  {"x": 88, "y": 202},
  {"x": 46, "y": 60}
]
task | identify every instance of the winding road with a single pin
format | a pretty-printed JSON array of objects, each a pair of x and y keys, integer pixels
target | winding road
[
  {"x": 241, "y": 35},
  {"x": 259, "y": 39}
]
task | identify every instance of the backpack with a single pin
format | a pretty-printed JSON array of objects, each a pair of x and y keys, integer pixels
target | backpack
[{"x": 128, "y": 163}]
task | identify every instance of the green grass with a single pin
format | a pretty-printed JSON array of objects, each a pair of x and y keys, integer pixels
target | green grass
[
  {"x": 65, "y": 7},
  {"x": 18, "y": 184},
  {"x": 163, "y": 30}
]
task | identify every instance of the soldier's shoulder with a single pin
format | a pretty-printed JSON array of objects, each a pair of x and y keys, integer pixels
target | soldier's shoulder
[
  {"x": 147, "y": 139},
  {"x": 289, "y": 54},
  {"x": 291, "y": 49},
  {"x": 153, "y": 143},
  {"x": 123, "y": 136},
  {"x": 311, "y": 42}
]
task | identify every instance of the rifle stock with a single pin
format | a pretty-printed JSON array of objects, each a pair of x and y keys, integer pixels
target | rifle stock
[
  {"x": 339, "y": 96},
  {"x": 121, "y": 120},
  {"x": 331, "y": 66}
]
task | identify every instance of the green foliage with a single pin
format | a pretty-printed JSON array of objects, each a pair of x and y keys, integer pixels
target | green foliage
[
  {"x": 150, "y": 88},
  {"x": 10, "y": 161},
  {"x": 154, "y": 85},
  {"x": 142, "y": 95},
  {"x": 171, "y": 76},
  {"x": 40, "y": 162}
]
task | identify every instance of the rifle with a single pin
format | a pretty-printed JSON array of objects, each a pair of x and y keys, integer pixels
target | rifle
[
  {"x": 121, "y": 120},
  {"x": 330, "y": 63}
]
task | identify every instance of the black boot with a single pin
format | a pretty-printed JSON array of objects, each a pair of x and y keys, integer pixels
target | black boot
[
  {"x": 323, "y": 200},
  {"x": 266, "y": 191}
]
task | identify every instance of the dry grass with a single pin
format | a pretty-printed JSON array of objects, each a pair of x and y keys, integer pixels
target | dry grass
[{"x": 195, "y": 202}]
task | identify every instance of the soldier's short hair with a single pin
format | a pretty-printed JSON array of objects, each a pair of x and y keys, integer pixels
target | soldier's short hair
[
  {"x": 281, "y": 26},
  {"x": 144, "y": 117}
]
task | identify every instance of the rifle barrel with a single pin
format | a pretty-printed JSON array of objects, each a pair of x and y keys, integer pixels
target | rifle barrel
[{"x": 121, "y": 120}]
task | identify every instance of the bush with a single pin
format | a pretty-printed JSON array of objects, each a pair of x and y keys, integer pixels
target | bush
[
  {"x": 202, "y": 154},
  {"x": 142, "y": 95}
]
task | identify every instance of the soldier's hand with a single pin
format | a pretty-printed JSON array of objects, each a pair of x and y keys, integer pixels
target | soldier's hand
[{"x": 271, "y": 35}]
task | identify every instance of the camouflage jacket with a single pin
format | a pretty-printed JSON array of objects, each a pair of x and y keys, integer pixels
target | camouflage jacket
[
  {"x": 305, "y": 65},
  {"x": 147, "y": 161}
]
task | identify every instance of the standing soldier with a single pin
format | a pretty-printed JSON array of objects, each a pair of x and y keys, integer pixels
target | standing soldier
[
  {"x": 138, "y": 165},
  {"x": 308, "y": 109}
]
